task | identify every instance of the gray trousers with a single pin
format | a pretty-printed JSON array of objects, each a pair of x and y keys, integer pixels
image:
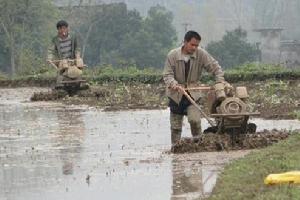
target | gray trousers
[{"x": 176, "y": 120}]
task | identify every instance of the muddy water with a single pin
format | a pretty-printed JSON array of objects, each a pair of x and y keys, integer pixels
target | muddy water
[{"x": 55, "y": 151}]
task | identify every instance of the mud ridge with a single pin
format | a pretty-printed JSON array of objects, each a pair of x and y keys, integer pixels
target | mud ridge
[
  {"x": 273, "y": 99},
  {"x": 227, "y": 141}
]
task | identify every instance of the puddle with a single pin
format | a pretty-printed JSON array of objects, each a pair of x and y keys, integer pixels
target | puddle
[{"x": 54, "y": 151}]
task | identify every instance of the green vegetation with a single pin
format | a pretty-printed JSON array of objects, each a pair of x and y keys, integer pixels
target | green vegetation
[
  {"x": 131, "y": 73},
  {"x": 112, "y": 34},
  {"x": 247, "y": 72},
  {"x": 258, "y": 68},
  {"x": 233, "y": 49},
  {"x": 296, "y": 114},
  {"x": 128, "y": 74},
  {"x": 24, "y": 33},
  {"x": 243, "y": 178},
  {"x": 274, "y": 92},
  {"x": 3, "y": 76},
  {"x": 260, "y": 72}
]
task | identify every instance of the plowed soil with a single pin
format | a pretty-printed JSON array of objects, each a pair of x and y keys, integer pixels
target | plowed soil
[{"x": 228, "y": 141}]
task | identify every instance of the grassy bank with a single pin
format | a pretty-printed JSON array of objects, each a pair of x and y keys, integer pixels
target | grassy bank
[{"x": 243, "y": 178}]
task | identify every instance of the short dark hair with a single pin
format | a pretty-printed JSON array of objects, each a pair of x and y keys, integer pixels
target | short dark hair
[
  {"x": 61, "y": 23},
  {"x": 192, "y": 34}
]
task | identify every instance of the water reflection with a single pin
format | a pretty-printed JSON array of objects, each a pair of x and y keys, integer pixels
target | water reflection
[
  {"x": 38, "y": 144},
  {"x": 192, "y": 179},
  {"x": 51, "y": 151},
  {"x": 70, "y": 136}
]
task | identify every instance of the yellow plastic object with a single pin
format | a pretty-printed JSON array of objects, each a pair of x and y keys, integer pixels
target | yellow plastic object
[{"x": 288, "y": 177}]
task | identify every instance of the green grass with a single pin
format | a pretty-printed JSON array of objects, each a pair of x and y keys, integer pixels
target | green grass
[
  {"x": 296, "y": 114},
  {"x": 3, "y": 76},
  {"x": 243, "y": 178}
]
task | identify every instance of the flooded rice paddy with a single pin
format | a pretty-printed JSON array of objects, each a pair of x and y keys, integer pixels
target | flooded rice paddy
[{"x": 54, "y": 151}]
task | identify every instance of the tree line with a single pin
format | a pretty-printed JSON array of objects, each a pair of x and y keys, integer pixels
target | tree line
[{"x": 110, "y": 34}]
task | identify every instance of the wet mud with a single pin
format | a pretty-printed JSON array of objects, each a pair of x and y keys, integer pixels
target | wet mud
[
  {"x": 273, "y": 99},
  {"x": 227, "y": 141},
  {"x": 111, "y": 97},
  {"x": 51, "y": 95}
]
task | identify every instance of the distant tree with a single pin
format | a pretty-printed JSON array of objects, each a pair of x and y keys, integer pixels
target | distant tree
[
  {"x": 112, "y": 34},
  {"x": 233, "y": 49},
  {"x": 102, "y": 29},
  {"x": 24, "y": 30},
  {"x": 159, "y": 23},
  {"x": 149, "y": 46}
]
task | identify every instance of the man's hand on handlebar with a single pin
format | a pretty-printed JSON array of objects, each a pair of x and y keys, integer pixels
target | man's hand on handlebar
[{"x": 177, "y": 87}]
